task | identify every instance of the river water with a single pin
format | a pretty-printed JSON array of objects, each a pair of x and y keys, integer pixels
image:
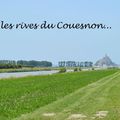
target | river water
[{"x": 23, "y": 74}]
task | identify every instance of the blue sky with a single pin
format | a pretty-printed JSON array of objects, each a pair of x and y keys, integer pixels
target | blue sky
[{"x": 55, "y": 45}]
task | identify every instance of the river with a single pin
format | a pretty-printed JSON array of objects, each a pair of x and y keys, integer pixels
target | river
[{"x": 23, "y": 74}]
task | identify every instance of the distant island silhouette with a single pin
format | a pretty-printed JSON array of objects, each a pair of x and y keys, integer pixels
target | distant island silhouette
[{"x": 105, "y": 62}]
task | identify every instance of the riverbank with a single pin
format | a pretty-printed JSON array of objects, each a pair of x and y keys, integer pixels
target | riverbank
[
  {"x": 28, "y": 69},
  {"x": 20, "y": 96}
]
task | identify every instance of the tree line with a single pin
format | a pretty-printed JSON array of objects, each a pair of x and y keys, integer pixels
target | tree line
[
  {"x": 34, "y": 63},
  {"x": 75, "y": 64},
  {"x": 4, "y": 64}
]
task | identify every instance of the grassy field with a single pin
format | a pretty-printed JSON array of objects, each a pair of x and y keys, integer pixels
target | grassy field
[{"x": 61, "y": 96}]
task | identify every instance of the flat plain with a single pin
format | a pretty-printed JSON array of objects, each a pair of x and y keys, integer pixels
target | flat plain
[{"x": 84, "y": 95}]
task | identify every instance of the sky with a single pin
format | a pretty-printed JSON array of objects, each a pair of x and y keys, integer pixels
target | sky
[{"x": 56, "y": 45}]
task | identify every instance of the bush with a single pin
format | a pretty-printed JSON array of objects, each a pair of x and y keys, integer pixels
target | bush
[
  {"x": 62, "y": 70},
  {"x": 93, "y": 68},
  {"x": 80, "y": 69},
  {"x": 76, "y": 70}
]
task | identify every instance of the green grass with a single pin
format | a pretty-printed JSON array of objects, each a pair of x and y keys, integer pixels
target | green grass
[{"x": 49, "y": 93}]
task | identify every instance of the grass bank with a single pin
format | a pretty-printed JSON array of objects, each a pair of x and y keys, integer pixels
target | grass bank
[
  {"x": 27, "y": 69},
  {"x": 24, "y": 95}
]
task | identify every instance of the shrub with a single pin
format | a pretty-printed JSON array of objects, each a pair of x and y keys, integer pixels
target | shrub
[
  {"x": 75, "y": 69},
  {"x": 62, "y": 70},
  {"x": 80, "y": 69},
  {"x": 93, "y": 68}
]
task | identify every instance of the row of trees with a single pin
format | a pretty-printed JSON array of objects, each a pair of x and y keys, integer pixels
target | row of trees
[
  {"x": 75, "y": 64},
  {"x": 22, "y": 63},
  {"x": 6, "y": 66},
  {"x": 34, "y": 63}
]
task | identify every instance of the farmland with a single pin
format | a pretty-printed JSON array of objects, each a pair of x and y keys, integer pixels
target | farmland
[{"x": 79, "y": 95}]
